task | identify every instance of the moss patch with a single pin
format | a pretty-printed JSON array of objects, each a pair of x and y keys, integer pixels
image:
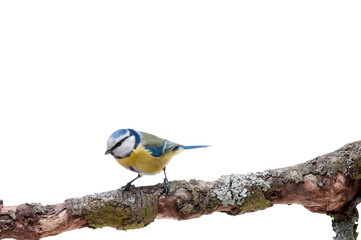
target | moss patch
[{"x": 117, "y": 209}]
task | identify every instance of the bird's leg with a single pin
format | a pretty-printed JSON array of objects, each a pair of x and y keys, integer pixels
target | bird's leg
[
  {"x": 129, "y": 184},
  {"x": 165, "y": 183}
]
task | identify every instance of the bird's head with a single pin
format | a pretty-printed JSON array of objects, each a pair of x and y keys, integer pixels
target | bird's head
[{"x": 122, "y": 142}]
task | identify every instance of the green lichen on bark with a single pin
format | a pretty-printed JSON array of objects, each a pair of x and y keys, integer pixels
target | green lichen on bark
[
  {"x": 246, "y": 193},
  {"x": 231, "y": 190},
  {"x": 118, "y": 209}
]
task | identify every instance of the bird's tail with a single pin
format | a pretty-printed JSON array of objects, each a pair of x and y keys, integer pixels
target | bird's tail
[{"x": 195, "y": 146}]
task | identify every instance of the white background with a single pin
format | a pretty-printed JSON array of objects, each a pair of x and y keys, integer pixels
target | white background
[{"x": 267, "y": 83}]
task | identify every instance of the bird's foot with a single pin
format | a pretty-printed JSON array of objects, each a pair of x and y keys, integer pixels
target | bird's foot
[
  {"x": 166, "y": 186},
  {"x": 127, "y": 186}
]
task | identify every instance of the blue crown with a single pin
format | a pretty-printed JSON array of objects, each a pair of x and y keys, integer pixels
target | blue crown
[{"x": 118, "y": 133}]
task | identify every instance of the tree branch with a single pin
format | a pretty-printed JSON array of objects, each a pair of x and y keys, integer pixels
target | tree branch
[{"x": 328, "y": 184}]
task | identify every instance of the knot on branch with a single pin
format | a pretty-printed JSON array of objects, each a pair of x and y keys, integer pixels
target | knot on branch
[{"x": 188, "y": 200}]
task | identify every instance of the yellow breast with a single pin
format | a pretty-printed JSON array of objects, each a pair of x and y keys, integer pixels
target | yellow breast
[{"x": 140, "y": 160}]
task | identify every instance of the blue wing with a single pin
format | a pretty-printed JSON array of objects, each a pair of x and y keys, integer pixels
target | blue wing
[
  {"x": 165, "y": 147},
  {"x": 157, "y": 146}
]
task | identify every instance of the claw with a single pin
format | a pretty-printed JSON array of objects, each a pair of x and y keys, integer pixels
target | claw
[{"x": 127, "y": 186}]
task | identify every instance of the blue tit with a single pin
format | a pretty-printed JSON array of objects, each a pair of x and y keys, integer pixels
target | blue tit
[{"x": 143, "y": 153}]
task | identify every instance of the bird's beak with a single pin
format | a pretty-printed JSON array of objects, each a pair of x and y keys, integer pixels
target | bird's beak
[{"x": 107, "y": 151}]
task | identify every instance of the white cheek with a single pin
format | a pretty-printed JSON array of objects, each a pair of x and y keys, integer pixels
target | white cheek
[{"x": 126, "y": 148}]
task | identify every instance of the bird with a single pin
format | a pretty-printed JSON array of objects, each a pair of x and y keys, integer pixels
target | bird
[{"x": 143, "y": 153}]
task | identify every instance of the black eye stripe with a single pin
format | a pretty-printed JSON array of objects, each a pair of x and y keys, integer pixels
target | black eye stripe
[{"x": 118, "y": 143}]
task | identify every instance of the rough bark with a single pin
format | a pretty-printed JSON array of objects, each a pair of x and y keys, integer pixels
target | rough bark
[{"x": 328, "y": 184}]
